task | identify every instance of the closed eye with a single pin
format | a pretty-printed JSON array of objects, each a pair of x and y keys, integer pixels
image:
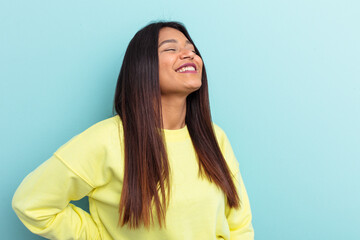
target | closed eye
[{"x": 170, "y": 49}]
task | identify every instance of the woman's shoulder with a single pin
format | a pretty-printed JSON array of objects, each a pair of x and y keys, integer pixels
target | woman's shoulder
[
  {"x": 99, "y": 134},
  {"x": 87, "y": 153},
  {"x": 226, "y": 148},
  {"x": 108, "y": 127},
  {"x": 110, "y": 123},
  {"x": 220, "y": 135}
]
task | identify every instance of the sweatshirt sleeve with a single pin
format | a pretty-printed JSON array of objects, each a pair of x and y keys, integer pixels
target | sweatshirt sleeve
[
  {"x": 76, "y": 169},
  {"x": 42, "y": 203},
  {"x": 239, "y": 220}
]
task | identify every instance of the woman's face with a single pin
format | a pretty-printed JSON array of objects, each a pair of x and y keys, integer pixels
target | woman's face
[{"x": 179, "y": 66}]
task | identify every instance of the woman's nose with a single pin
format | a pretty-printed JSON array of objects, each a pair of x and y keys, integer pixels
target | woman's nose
[{"x": 186, "y": 53}]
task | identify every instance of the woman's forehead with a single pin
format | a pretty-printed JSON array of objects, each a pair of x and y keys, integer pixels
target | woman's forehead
[
  {"x": 173, "y": 41},
  {"x": 170, "y": 35},
  {"x": 167, "y": 33}
]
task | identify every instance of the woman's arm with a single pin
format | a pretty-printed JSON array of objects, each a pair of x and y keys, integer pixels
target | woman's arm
[
  {"x": 74, "y": 171},
  {"x": 239, "y": 220},
  {"x": 42, "y": 202}
]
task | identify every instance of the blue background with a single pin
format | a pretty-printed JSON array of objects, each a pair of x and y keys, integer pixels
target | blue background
[{"x": 284, "y": 85}]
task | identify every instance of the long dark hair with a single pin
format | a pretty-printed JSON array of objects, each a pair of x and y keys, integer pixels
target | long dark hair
[{"x": 138, "y": 103}]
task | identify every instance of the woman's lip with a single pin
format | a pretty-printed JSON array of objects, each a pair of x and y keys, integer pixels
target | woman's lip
[{"x": 185, "y": 65}]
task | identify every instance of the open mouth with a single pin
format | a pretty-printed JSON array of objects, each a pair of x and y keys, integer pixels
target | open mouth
[{"x": 187, "y": 68}]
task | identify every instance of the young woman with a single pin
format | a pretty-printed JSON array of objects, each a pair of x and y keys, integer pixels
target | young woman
[{"x": 158, "y": 169}]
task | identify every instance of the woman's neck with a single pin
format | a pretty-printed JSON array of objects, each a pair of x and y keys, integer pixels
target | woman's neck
[{"x": 173, "y": 112}]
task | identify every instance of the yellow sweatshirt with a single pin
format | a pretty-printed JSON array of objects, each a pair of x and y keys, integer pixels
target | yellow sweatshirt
[{"x": 91, "y": 164}]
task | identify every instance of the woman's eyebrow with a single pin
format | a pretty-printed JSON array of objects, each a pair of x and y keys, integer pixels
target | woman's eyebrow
[{"x": 172, "y": 41}]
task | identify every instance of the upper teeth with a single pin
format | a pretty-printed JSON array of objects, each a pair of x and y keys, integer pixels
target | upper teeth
[{"x": 187, "y": 68}]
